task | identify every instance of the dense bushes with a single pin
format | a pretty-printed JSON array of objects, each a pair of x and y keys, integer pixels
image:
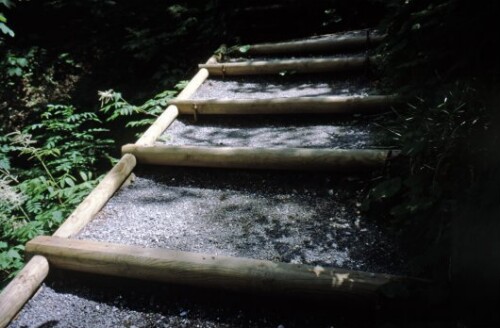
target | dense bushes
[
  {"x": 45, "y": 171},
  {"x": 439, "y": 56}
]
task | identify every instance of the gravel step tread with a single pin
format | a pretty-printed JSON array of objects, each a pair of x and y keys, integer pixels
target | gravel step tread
[
  {"x": 262, "y": 87},
  {"x": 279, "y": 216},
  {"x": 272, "y": 131}
]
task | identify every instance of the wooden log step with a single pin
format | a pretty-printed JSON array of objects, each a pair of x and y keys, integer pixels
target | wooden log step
[
  {"x": 292, "y": 105},
  {"x": 99, "y": 196},
  {"x": 207, "y": 270},
  {"x": 324, "y": 43},
  {"x": 305, "y": 65},
  {"x": 21, "y": 288},
  {"x": 171, "y": 112},
  {"x": 259, "y": 158}
]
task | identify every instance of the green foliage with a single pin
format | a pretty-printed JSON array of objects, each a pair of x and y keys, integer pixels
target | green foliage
[
  {"x": 30, "y": 79},
  {"x": 436, "y": 42},
  {"x": 3, "y": 20},
  {"x": 438, "y": 56},
  {"x": 113, "y": 104},
  {"x": 55, "y": 169},
  {"x": 439, "y": 138}
]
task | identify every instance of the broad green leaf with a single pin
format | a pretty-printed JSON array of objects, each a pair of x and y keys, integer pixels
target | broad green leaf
[
  {"x": 244, "y": 49},
  {"x": 6, "y": 30},
  {"x": 14, "y": 71},
  {"x": 23, "y": 62}
]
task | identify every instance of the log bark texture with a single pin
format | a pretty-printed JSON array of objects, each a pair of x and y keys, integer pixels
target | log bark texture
[
  {"x": 206, "y": 270},
  {"x": 259, "y": 158},
  {"x": 309, "y": 65},
  {"x": 93, "y": 203},
  {"x": 21, "y": 288},
  {"x": 171, "y": 112},
  {"x": 292, "y": 105},
  {"x": 324, "y": 43}
]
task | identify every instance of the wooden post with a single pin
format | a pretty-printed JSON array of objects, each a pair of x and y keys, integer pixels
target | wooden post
[
  {"x": 323, "y": 43},
  {"x": 87, "y": 209},
  {"x": 292, "y": 105},
  {"x": 259, "y": 158},
  {"x": 171, "y": 113},
  {"x": 309, "y": 65},
  {"x": 233, "y": 273},
  {"x": 21, "y": 288}
]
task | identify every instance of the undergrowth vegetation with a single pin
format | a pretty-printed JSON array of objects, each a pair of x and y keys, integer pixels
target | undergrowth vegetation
[
  {"x": 45, "y": 171},
  {"x": 438, "y": 56}
]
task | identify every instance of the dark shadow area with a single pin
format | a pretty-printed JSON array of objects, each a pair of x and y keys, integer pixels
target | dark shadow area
[{"x": 70, "y": 299}]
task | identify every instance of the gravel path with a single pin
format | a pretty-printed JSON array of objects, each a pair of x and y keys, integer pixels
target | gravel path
[
  {"x": 262, "y": 87},
  {"x": 291, "y": 217},
  {"x": 271, "y": 131},
  {"x": 279, "y": 216},
  {"x": 276, "y": 131},
  {"x": 77, "y": 300}
]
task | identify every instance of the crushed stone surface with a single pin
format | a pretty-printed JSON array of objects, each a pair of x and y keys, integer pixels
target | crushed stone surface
[
  {"x": 70, "y": 300},
  {"x": 289, "y": 217},
  {"x": 272, "y": 131},
  {"x": 265, "y": 87}
]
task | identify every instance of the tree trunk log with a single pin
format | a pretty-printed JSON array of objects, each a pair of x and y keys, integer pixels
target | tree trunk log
[
  {"x": 21, "y": 288},
  {"x": 87, "y": 209},
  {"x": 259, "y": 158},
  {"x": 309, "y": 65},
  {"x": 324, "y": 43},
  {"x": 207, "y": 270},
  {"x": 292, "y": 105}
]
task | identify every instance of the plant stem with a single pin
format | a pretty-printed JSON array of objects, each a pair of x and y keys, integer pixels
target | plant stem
[{"x": 39, "y": 158}]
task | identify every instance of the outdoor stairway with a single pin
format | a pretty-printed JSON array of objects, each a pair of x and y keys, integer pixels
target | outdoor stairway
[{"x": 246, "y": 134}]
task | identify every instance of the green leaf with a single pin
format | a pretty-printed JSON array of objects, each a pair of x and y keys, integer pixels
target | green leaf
[
  {"x": 69, "y": 182},
  {"x": 181, "y": 84},
  {"x": 84, "y": 176},
  {"x": 244, "y": 49},
  {"x": 6, "y": 30},
  {"x": 23, "y": 62},
  {"x": 14, "y": 71}
]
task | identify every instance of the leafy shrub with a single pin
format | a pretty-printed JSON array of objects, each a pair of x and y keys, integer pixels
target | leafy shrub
[
  {"x": 116, "y": 107},
  {"x": 442, "y": 127},
  {"x": 54, "y": 170}
]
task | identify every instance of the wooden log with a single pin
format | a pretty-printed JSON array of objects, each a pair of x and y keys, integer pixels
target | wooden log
[
  {"x": 233, "y": 273},
  {"x": 21, "y": 288},
  {"x": 324, "y": 43},
  {"x": 87, "y": 209},
  {"x": 161, "y": 124},
  {"x": 308, "y": 65},
  {"x": 259, "y": 158},
  {"x": 171, "y": 112},
  {"x": 292, "y": 105}
]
